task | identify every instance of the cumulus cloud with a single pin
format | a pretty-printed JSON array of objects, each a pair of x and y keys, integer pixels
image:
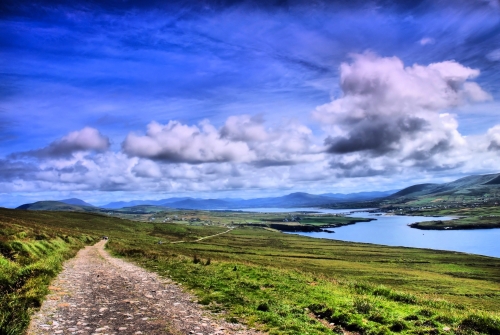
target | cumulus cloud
[
  {"x": 393, "y": 110},
  {"x": 86, "y": 139},
  {"x": 245, "y": 128},
  {"x": 242, "y": 139},
  {"x": 176, "y": 142},
  {"x": 376, "y": 134},
  {"x": 357, "y": 166},
  {"x": 12, "y": 170},
  {"x": 493, "y": 138},
  {"x": 147, "y": 169}
]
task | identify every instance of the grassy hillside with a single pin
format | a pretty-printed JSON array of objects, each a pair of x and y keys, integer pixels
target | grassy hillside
[
  {"x": 32, "y": 249},
  {"x": 58, "y": 206},
  {"x": 295, "y": 285},
  {"x": 288, "y": 284},
  {"x": 464, "y": 192}
]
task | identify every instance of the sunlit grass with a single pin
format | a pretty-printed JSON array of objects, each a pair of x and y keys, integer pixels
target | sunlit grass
[{"x": 30, "y": 257}]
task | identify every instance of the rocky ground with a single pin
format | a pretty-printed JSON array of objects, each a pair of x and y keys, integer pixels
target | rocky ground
[{"x": 100, "y": 294}]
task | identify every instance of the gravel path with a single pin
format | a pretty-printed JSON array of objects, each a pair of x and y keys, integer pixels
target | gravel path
[{"x": 100, "y": 294}]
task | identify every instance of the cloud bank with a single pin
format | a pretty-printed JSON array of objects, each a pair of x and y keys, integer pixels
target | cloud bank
[
  {"x": 86, "y": 139},
  {"x": 242, "y": 139},
  {"x": 388, "y": 121}
]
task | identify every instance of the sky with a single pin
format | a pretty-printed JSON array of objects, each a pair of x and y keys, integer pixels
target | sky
[{"x": 120, "y": 100}]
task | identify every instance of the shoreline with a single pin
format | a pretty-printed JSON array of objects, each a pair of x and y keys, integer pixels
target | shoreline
[
  {"x": 440, "y": 225},
  {"x": 304, "y": 228}
]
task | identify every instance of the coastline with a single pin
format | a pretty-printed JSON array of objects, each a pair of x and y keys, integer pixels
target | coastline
[
  {"x": 305, "y": 228},
  {"x": 449, "y": 225}
]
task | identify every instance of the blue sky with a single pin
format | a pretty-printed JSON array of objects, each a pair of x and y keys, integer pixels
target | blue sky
[{"x": 108, "y": 100}]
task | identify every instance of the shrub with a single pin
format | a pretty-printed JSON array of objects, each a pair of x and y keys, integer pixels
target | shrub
[
  {"x": 481, "y": 323},
  {"x": 363, "y": 306}
]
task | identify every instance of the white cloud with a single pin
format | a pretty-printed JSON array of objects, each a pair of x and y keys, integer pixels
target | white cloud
[
  {"x": 86, "y": 139},
  {"x": 245, "y": 128},
  {"x": 391, "y": 110},
  {"x": 242, "y": 139},
  {"x": 176, "y": 142},
  {"x": 493, "y": 138},
  {"x": 147, "y": 169}
]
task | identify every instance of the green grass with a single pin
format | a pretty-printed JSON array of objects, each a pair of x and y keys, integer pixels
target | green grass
[
  {"x": 30, "y": 256},
  {"x": 289, "y": 284},
  {"x": 320, "y": 220},
  {"x": 302, "y": 293},
  {"x": 220, "y": 218}
]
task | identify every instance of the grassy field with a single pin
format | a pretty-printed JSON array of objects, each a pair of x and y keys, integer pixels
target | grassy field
[
  {"x": 226, "y": 218},
  {"x": 289, "y": 284}
]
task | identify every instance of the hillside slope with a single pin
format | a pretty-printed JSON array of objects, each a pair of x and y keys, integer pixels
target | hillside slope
[
  {"x": 484, "y": 188},
  {"x": 76, "y": 201},
  {"x": 58, "y": 206}
]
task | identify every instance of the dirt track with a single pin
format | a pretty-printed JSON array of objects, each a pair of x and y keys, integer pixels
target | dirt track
[{"x": 100, "y": 294}]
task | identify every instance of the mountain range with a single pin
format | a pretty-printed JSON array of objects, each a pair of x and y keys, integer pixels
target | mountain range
[
  {"x": 477, "y": 186},
  {"x": 298, "y": 199}
]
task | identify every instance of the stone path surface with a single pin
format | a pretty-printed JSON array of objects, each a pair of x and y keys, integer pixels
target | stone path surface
[{"x": 99, "y": 294}]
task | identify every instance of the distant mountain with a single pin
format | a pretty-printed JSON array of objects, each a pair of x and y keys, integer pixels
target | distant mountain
[
  {"x": 139, "y": 209},
  {"x": 476, "y": 186},
  {"x": 298, "y": 199},
  {"x": 359, "y": 196},
  {"x": 57, "y": 206},
  {"x": 202, "y": 204},
  {"x": 471, "y": 186},
  {"x": 121, "y": 204},
  {"x": 76, "y": 201}
]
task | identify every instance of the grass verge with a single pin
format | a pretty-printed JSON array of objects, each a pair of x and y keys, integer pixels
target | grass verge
[{"x": 30, "y": 257}]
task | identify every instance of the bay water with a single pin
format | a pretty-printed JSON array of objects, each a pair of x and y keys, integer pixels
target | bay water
[{"x": 393, "y": 230}]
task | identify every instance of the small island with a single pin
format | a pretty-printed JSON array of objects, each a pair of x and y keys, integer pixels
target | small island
[
  {"x": 458, "y": 224},
  {"x": 308, "y": 223}
]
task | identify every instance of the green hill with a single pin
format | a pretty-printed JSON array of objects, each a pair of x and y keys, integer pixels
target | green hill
[
  {"x": 471, "y": 189},
  {"x": 58, "y": 206}
]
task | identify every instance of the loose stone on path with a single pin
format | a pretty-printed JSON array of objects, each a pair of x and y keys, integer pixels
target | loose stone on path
[{"x": 99, "y": 294}]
